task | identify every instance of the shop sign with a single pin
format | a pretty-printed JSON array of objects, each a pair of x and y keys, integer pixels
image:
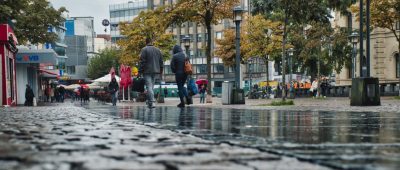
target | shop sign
[{"x": 27, "y": 58}]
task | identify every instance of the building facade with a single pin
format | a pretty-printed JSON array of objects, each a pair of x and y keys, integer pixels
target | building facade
[
  {"x": 41, "y": 65},
  {"x": 80, "y": 37},
  {"x": 8, "y": 89},
  {"x": 101, "y": 42},
  {"x": 77, "y": 57},
  {"x": 384, "y": 59}
]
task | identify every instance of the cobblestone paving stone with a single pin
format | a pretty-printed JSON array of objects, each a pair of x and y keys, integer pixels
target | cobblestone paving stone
[{"x": 70, "y": 137}]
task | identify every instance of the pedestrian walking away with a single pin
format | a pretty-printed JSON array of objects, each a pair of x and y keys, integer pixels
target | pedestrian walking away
[
  {"x": 151, "y": 66},
  {"x": 113, "y": 89},
  {"x": 177, "y": 67},
  {"x": 29, "y": 96}
]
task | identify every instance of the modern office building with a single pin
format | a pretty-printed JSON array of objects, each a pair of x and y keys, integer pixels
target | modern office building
[
  {"x": 80, "y": 41},
  {"x": 197, "y": 34},
  {"x": 76, "y": 64},
  {"x": 385, "y": 55},
  {"x": 124, "y": 12}
]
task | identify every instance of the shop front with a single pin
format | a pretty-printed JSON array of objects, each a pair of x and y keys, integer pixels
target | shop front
[
  {"x": 31, "y": 69},
  {"x": 8, "y": 49}
]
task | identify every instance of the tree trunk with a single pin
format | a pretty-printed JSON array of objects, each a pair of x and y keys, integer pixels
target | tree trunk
[
  {"x": 267, "y": 71},
  {"x": 208, "y": 54},
  {"x": 284, "y": 56}
]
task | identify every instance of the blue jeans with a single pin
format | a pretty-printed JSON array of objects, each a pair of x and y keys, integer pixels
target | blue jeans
[
  {"x": 114, "y": 98},
  {"x": 202, "y": 97},
  {"x": 180, "y": 81},
  {"x": 149, "y": 81}
]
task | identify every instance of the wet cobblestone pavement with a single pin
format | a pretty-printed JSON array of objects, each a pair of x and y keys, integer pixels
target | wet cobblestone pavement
[
  {"x": 341, "y": 139},
  {"x": 71, "y": 137}
]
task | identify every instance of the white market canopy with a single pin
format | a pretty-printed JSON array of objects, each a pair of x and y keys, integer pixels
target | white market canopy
[
  {"x": 72, "y": 86},
  {"x": 107, "y": 79}
]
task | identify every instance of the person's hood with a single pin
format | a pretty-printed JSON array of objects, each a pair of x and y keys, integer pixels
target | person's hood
[{"x": 177, "y": 49}]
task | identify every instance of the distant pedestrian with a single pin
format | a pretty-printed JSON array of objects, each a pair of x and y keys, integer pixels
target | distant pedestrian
[
  {"x": 62, "y": 93},
  {"x": 314, "y": 88},
  {"x": 173, "y": 93},
  {"x": 178, "y": 67},
  {"x": 151, "y": 66},
  {"x": 29, "y": 96},
  {"x": 113, "y": 88},
  {"x": 52, "y": 94},
  {"x": 165, "y": 91},
  {"x": 202, "y": 93}
]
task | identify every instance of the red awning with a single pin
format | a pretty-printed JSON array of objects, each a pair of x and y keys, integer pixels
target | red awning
[{"x": 45, "y": 73}]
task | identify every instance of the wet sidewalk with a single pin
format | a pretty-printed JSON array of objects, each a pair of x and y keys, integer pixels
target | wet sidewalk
[
  {"x": 67, "y": 136},
  {"x": 388, "y": 104}
]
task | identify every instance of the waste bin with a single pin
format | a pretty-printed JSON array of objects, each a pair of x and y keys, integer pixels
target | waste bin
[{"x": 227, "y": 92}]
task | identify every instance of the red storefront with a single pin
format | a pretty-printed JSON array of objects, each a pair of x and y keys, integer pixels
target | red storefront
[{"x": 8, "y": 42}]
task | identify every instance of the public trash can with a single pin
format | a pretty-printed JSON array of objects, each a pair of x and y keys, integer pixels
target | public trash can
[{"x": 227, "y": 92}]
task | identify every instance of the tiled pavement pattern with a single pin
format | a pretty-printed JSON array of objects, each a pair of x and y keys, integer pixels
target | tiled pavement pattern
[{"x": 71, "y": 138}]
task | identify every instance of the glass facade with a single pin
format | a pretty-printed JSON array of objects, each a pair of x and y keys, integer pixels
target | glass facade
[{"x": 125, "y": 12}]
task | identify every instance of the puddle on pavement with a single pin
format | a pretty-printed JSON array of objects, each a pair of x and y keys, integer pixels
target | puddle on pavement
[{"x": 345, "y": 140}]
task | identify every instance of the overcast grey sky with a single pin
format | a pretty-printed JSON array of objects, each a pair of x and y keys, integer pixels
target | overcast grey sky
[{"x": 99, "y": 9}]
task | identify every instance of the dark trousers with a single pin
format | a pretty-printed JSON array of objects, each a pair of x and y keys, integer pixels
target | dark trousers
[{"x": 180, "y": 81}]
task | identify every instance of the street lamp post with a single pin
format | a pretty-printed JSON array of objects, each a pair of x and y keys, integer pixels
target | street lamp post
[
  {"x": 354, "y": 40},
  {"x": 186, "y": 43},
  {"x": 291, "y": 90},
  {"x": 237, "y": 14},
  {"x": 250, "y": 61}
]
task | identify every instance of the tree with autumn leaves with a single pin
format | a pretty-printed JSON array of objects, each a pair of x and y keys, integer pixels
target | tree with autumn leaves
[
  {"x": 149, "y": 24},
  {"x": 260, "y": 38}
]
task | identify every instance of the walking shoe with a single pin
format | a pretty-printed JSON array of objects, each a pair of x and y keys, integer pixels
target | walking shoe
[{"x": 181, "y": 105}]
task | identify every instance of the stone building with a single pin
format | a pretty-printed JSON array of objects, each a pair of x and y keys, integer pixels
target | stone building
[{"x": 385, "y": 58}]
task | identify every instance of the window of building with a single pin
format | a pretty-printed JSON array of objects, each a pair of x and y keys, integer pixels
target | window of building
[
  {"x": 71, "y": 69},
  {"x": 168, "y": 70},
  {"x": 397, "y": 56},
  {"x": 218, "y": 35},
  {"x": 199, "y": 37},
  {"x": 201, "y": 68},
  {"x": 231, "y": 69},
  {"x": 398, "y": 25},
  {"x": 218, "y": 68}
]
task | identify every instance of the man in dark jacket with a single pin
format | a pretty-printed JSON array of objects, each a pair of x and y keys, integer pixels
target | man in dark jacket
[
  {"x": 151, "y": 65},
  {"x": 177, "y": 67},
  {"x": 29, "y": 96}
]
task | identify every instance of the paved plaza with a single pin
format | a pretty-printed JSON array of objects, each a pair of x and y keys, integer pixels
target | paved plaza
[{"x": 313, "y": 134}]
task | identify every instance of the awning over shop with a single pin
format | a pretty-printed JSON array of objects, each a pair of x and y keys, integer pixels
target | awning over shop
[
  {"x": 44, "y": 56},
  {"x": 48, "y": 74}
]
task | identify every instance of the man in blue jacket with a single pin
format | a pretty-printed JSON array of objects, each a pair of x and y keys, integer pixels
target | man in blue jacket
[
  {"x": 151, "y": 66},
  {"x": 177, "y": 67}
]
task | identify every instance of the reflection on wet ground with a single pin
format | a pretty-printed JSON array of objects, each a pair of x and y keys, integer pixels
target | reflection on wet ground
[{"x": 344, "y": 140}]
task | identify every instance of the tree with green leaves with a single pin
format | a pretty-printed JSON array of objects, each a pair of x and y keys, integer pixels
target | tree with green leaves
[
  {"x": 206, "y": 12},
  {"x": 300, "y": 13},
  {"x": 102, "y": 62},
  {"x": 149, "y": 24},
  {"x": 31, "y": 19}
]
